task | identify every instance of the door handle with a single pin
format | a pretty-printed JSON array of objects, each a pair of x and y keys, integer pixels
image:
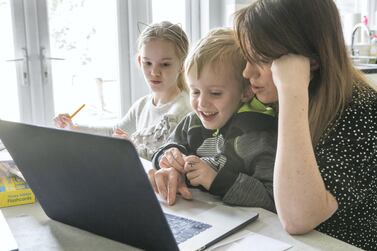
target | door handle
[
  {"x": 44, "y": 64},
  {"x": 15, "y": 60},
  {"x": 25, "y": 66}
]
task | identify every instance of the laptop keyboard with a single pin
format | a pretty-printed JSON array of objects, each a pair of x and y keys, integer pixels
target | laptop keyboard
[{"x": 183, "y": 228}]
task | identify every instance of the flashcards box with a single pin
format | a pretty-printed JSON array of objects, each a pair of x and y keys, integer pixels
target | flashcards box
[{"x": 14, "y": 191}]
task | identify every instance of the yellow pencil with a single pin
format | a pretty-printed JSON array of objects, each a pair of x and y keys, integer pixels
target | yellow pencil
[{"x": 77, "y": 111}]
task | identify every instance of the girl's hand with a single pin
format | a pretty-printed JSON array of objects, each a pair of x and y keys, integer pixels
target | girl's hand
[
  {"x": 119, "y": 133},
  {"x": 198, "y": 172},
  {"x": 63, "y": 121},
  {"x": 291, "y": 73},
  {"x": 173, "y": 158}
]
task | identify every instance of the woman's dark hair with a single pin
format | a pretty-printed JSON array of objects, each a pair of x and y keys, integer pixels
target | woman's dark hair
[{"x": 269, "y": 29}]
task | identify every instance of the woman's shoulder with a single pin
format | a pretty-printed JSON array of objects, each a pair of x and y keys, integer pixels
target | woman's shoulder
[
  {"x": 359, "y": 117},
  {"x": 363, "y": 96},
  {"x": 363, "y": 105},
  {"x": 362, "y": 109}
]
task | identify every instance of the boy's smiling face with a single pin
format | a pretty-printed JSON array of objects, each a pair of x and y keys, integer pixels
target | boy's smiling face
[{"x": 216, "y": 95}]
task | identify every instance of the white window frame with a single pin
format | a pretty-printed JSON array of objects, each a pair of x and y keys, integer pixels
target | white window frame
[
  {"x": 132, "y": 84},
  {"x": 36, "y": 95}
]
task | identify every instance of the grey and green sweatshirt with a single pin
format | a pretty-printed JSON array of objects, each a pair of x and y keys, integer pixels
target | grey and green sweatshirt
[{"x": 242, "y": 153}]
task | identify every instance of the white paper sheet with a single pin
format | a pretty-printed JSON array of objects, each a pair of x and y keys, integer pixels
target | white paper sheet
[
  {"x": 7, "y": 240},
  {"x": 5, "y": 156},
  {"x": 248, "y": 241}
]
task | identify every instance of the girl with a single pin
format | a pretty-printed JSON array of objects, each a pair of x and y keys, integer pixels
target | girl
[
  {"x": 162, "y": 50},
  {"x": 325, "y": 168}
]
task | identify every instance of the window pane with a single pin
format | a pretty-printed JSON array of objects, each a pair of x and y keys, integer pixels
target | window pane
[
  {"x": 9, "y": 107},
  {"x": 169, "y": 10},
  {"x": 352, "y": 13},
  {"x": 84, "y": 33}
]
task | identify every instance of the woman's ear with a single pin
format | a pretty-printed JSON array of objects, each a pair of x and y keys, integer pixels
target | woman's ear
[
  {"x": 314, "y": 64},
  {"x": 247, "y": 94}
]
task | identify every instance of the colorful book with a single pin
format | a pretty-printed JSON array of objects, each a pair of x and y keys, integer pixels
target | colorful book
[
  {"x": 13, "y": 188},
  {"x": 14, "y": 191}
]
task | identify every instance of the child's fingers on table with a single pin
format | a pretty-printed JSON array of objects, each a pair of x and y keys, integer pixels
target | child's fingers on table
[
  {"x": 172, "y": 187},
  {"x": 173, "y": 162},
  {"x": 151, "y": 177},
  {"x": 178, "y": 156},
  {"x": 161, "y": 179},
  {"x": 164, "y": 163}
]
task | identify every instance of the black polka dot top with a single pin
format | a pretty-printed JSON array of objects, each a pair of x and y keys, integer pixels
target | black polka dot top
[{"x": 347, "y": 159}]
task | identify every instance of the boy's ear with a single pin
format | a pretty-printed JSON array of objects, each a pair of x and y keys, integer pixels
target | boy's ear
[
  {"x": 247, "y": 94},
  {"x": 138, "y": 59}
]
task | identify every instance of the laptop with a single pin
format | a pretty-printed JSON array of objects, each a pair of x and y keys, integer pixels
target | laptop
[{"x": 99, "y": 184}]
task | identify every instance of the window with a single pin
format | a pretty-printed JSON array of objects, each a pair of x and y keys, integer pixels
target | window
[
  {"x": 84, "y": 58},
  {"x": 9, "y": 103},
  {"x": 169, "y": 10},
  {"x": 352, "y": 12},
  {"x": 66, "y": 53}
]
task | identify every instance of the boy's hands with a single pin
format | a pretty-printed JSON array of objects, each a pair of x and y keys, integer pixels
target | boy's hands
[
  {"x": 167, "y": 182},
  {"x": 173, "y": 158},
  {"x": 170, "y": 179},
  {"x": 198, "y": 172}
]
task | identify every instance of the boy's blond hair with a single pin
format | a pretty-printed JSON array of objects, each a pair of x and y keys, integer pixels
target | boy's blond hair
[{"x": 219, "y": 48}]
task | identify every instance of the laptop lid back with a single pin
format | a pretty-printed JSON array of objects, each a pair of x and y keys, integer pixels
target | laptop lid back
[{"x": 92, "y": 182}]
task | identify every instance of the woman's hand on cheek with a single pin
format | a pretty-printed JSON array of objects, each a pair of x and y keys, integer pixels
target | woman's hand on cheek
[{"x": 291, "y": 73}]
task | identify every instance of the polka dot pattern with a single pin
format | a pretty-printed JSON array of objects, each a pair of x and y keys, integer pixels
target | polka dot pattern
[{"x": 347, "y": 159}]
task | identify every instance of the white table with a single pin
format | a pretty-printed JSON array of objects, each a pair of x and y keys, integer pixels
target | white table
[{"x": 33, "y": 230}]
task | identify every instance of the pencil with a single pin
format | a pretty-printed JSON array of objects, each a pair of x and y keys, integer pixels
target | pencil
[{"x": 77, "y": 111}]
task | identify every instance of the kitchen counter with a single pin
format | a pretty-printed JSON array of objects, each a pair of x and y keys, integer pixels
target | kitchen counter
[{"x": 367, "y": 68}]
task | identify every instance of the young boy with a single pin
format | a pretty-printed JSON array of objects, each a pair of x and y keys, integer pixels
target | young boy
[{"x": 227, "y": 145}]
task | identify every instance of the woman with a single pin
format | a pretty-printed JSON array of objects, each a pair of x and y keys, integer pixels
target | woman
[{"x": 325, "y": 168}]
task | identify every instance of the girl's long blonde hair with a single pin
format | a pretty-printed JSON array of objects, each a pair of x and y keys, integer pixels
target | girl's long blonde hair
[
  {"x": 169, "y": 32},
  {"x": 269, "y": 29}
]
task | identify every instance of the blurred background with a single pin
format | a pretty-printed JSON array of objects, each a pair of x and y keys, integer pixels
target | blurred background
[{"x": 58, "y": 54}]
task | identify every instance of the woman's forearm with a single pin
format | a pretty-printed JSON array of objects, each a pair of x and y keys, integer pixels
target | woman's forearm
[{"x": 302, "y": 201}]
